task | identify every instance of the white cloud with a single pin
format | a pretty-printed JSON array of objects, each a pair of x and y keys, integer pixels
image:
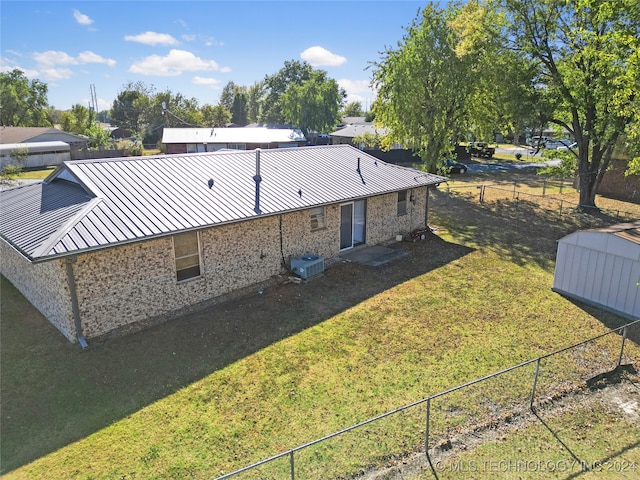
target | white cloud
[
  {"x": 90, "y": 57},
  {"x": 81, "y": 18},
  {"x": 7, "y": 65},
  {"x": 173, "y": 64},
  {"x": 205, "y": 81},
  {"x": 152, "y": 38},
  {"x": 53, "y": 58},
  {"x": 358, "y": 91},
  {"x": 225, "y": 69},
  {"x": 318, "y": 57},
  {"x": 54, "y": 74}
]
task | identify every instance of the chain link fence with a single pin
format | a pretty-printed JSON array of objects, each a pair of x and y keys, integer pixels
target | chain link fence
[
  {"x": 548, "y": 194},
  {"x": 429, "y": 423}
]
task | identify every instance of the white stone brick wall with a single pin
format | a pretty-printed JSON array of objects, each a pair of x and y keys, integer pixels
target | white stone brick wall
[
  {"x": 127, "y": 284},
  {"x": 43, "y": 284}
]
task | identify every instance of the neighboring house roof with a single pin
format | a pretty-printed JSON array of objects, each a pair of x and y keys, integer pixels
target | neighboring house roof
[
  {"x": 36, "y": 134},
  {"x": 352, "y": 131},
  {"x": 232, "y": 135},
  {"x": 34, "y": 147},
  {"x": 92, "y": 204},
  {"x": 354, "y": 120}
]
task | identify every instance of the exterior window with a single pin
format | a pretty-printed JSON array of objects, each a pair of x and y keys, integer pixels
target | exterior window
[
  {"x": 187, "y": 251},
  {"x": 402, "y": 203},
  {"x": 192, "y": 148},
  {"x": 317, "y": 218},
  {"x": 237, "y": 146}
]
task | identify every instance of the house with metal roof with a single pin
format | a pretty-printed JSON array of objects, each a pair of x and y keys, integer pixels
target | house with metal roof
[
  {"x": 101, "y": 245},
  {"x": 192, "y": 140},
  {"x": 41, "y": 134}
]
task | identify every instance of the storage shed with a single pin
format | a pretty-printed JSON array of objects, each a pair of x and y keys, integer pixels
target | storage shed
[{"x": 602, "y": 267}]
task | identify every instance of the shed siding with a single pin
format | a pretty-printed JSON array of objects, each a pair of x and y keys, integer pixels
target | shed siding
[
  {"x": 43, "y": 284},
  {"x": 600, "y": 268},
  {"x": 132, "y": 283}
]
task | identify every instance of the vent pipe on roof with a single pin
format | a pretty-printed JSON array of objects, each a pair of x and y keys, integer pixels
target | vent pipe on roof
[
  {"x": 358, "y": 169},
  {"x": 257, "y": 178}
]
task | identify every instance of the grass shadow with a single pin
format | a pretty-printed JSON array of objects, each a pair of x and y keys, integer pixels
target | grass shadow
[
  {"x": 519, "y": 230},
  {"x": 54, "y": 394}
]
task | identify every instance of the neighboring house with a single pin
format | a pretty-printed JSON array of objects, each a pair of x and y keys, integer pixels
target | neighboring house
[
  {"x": 601, "y": 267},
  {"x": 41, "y": 134},
  {"x": 346, "y": 135},
  {"x": 105, "y": 244},
  {"x": 34, "y": 155},
  {"x": 192, "y": 140}
]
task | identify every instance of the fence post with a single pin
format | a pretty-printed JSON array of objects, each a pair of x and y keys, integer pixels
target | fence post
[
  {"x": 544, "y": 187},
  {"x": 561, "y": 207},
  {"x": 293, "y": 472},
  {"x": 624, "y": 337},
  {"x": 426, "y": 437},
  {"x": 535, "y": 384},
  {"x": 561, "y": 184}
]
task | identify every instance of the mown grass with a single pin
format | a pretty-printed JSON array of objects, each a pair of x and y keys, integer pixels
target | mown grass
[
  {"x": 252, "y": 377},
  {"x": 586, "y": 440}
]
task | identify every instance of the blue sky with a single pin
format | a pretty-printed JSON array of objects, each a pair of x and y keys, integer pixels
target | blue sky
[{"x": 193, "y": 47}]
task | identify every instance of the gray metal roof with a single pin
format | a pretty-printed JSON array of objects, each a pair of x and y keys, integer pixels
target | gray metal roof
[
  {"x": 34, "y": 147},
  {"x": 232, "y": 135},
  {"x": 351, "y": 131},
  {"x": 93, "y": 204}
]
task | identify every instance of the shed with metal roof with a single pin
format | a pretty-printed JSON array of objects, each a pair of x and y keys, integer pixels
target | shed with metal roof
[
  {"x": 103, "y": 244},
  {"x": 601, "y": 267}
]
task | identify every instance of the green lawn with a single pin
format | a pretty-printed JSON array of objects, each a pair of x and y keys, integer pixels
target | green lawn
[{"x": 252, "y": 377}]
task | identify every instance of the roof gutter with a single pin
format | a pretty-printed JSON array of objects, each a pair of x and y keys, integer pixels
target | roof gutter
[{"x": 74, "y": 301}]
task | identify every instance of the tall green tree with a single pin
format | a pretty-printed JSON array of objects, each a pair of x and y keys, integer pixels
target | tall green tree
[
  {"x": 353, "y": 109},
  {"x": 23, "y": 102},
  {"x": 293, "y": 73},
  {"x": 314, "y": 104},
  {"x": 130, "y": 109},
  {"x": 255, "y": 96},
  {"x": 588, "y": 55},
  {"x": 239, "y": 108},
  {"x": 215, "y": 116},
  {"x": 423, "y": 87},
  {"x": 227, "y": 95}
]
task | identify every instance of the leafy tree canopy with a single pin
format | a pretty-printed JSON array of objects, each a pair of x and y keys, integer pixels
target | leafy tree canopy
[
  {"x": 588, "y": 57},
  {"x": 313, "y": 104},
  {"x": 353, "y": 109},
  {"x": 293, "y": 73},
  {"x": 24, "y": 102}
]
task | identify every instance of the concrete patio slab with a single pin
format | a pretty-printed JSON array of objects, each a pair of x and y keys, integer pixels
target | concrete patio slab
[{"x": 374, "y": 256}]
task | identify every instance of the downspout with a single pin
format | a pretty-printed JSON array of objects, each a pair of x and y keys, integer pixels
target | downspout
[
  {"x": 426, "y": 207},
  {"x": 74, "y": 302}
]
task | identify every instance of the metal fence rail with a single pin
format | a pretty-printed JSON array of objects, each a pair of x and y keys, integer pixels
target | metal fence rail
[
  {"x": 530, "y": 402},
  {"x": 547, "y": 198}
]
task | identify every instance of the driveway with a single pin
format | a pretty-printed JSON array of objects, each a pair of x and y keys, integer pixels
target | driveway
[{"x": 508, "y": 166}]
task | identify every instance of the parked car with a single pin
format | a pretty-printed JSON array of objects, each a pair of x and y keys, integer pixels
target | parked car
[
  {"x": 481, "y": 149},
  {"x": 554, "y": 144},
  {"x": 455, "y": 167},
  {"x": 538, "y": 141},
  {"x": 566, "y": 148}
]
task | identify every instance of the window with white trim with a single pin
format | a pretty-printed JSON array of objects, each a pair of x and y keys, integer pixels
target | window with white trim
[
  {"x": 402, "y": 203},
  {"x": 317, "y": 218},
  {"x": 186, "y": 247}
]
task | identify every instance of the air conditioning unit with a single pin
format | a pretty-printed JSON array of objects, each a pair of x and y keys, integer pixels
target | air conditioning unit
[{"x": 308, "y": 265}]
